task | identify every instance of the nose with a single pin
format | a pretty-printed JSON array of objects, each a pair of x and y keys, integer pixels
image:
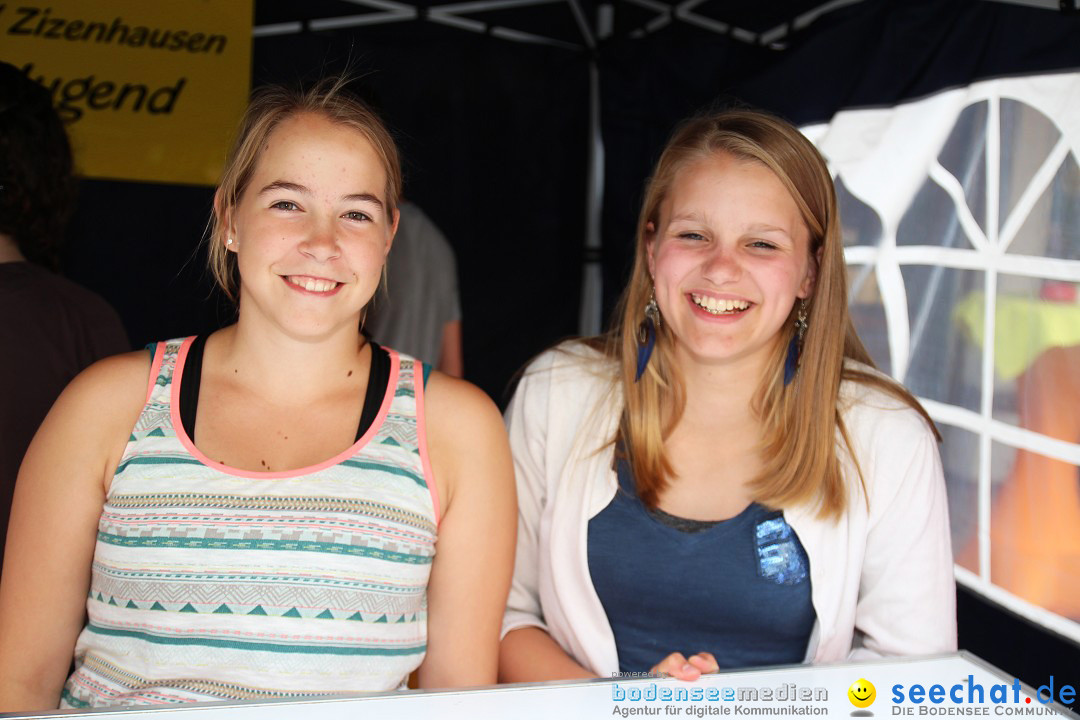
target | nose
[
  {"x": 321, "y": 244},
  {"x": 721, "y": 264}
]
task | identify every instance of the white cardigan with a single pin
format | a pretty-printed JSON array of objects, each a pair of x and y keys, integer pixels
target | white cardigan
[{"x": 881, "y": 580}]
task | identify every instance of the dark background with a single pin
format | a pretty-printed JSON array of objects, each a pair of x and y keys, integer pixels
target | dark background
[{"x": 495, "y": 136}]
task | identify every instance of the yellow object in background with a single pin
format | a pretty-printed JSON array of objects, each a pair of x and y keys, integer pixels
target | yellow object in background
[
  {"x": 150, "y": 91},
  {"x": 1023, "y": 330}
]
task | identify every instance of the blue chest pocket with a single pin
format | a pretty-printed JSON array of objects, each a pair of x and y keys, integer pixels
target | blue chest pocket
[{"x": 780, "y": 556}]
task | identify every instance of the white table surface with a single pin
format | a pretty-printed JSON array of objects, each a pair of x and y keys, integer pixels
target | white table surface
[{"x": 594, "y": 699}]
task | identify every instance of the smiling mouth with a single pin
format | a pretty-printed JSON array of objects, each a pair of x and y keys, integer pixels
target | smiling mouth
[
  {"x": 860, "y": 698},
  {"x": 717, "y": 306},
  {"x": 311, "y": 284}
]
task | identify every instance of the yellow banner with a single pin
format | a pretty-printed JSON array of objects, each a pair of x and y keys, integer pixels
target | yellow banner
[{"x": 151, "y": 90}]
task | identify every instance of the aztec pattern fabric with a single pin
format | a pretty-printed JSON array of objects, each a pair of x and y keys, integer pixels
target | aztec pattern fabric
[{"x": 213, "y": 583}]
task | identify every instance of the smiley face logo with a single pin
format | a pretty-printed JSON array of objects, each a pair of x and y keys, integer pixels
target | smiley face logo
[{"x": 862, "y": 693}]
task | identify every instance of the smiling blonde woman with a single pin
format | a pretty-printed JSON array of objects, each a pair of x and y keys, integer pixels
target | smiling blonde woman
[
  {"x": 280, "y": 509},
  {"x": 724, "y": 480}
]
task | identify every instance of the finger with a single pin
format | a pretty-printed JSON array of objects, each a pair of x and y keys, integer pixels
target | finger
[
  {"x": 686, "y": 672},
  {"x": 676, "y": 665},
  {"x": 670, "y": 664},
  {"x": 705, "y": 662}
]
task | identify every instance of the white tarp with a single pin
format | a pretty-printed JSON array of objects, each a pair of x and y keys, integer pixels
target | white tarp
[{"x": 962, "y": 226}]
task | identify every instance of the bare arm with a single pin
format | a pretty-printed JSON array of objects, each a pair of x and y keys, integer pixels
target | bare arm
[
  {"x": 474, "y": 554},
  {"x": 50, "y": 546},
  {"x": 529, "y": 654},
  {"x": 451, "y": 356}
]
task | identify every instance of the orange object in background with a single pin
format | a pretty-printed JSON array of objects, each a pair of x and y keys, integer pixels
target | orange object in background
[{"x": 1035, "y": 521}]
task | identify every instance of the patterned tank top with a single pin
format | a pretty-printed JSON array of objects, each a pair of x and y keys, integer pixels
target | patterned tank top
[{"x": 214, "y": 583}]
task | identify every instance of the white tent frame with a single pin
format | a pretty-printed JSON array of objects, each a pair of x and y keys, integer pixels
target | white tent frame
[{"x": 885, "y": 131}]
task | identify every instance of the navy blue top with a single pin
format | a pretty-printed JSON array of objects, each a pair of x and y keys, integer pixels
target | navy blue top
[{"x": 737, "y": 588}]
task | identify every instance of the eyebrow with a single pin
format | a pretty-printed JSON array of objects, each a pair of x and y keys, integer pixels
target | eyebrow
[
  {"x": 764, "y": 228},
  {"x": 364, "y": 197},
  {"x": 283, "y": 185},
  {"x": 303, "y": 190},
  {"x": 755, "y": 228}
]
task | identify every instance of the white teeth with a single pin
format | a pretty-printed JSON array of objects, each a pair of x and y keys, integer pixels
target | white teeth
[
  {"x": 312, "y": 284},
  {"x": 717, "y": 306}
]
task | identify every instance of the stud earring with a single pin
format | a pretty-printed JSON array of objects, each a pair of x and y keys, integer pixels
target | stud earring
[
  {"x": 647, "y": 335},
  {"x": 791, "y": 362},
  {"x": 229, "y": 241}
]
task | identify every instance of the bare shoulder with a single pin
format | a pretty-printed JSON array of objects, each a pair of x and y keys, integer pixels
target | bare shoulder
[
  {"x": 114, "y": 385},
  {"x": 97, "y": 409},
  {"x": 456, "y": 410},
  {"x": 467, "y": 441}
]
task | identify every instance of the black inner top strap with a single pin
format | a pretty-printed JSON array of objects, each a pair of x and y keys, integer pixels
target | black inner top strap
[
  {"x": 378, "y": 379},
  {"x": 189, "y": 385}
]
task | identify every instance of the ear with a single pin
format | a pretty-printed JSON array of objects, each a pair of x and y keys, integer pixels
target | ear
[
  {"x": 650, "y": 247},
  {"x": 393, "y": 229},
  {"x": 806, "y": 289},
  {"x": 225, "y": 219}
]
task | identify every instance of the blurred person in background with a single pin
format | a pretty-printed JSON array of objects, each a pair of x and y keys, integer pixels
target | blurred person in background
[
  {"x": 419, "y": 310},
  {"x": 50, "y": 328}
]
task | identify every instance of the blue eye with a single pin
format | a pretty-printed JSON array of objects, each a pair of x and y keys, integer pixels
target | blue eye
[
  {"x": 691, "y": 236},
  {"x": 285, "y": 205},
  {"x": 763, "y": 244}
]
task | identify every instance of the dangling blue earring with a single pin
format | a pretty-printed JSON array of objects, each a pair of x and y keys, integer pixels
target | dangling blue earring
[
  {"x": 791, "y": 362},
  {"x": 647, "y": 335}
]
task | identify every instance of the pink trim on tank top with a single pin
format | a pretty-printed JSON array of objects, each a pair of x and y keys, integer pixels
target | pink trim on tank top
[
  {"x": 421, "y": 437},
  {"x": 155, "y": 369},
  {"x": 181, "y": 434}
]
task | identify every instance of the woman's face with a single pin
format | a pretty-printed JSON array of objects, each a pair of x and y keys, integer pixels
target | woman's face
[
  {"x": 729, "y": 255},
  {"x": 312, "y": 228}
]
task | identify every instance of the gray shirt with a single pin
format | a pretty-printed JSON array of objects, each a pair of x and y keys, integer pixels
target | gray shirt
[{"x": 421, "y": 293}]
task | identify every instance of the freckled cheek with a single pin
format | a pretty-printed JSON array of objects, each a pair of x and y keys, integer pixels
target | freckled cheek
[
  {"x": 370, "y": 253},
  {"x": 265, "y": 235},
  {"x": 665, "y": 286},
  {"x": 784, "y": 279},
  {"x": 670, "y": 270},
  {"x": 365, "y": 264}
]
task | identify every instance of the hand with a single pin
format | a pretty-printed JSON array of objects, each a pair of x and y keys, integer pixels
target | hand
[{"x": 680, "y": 668}]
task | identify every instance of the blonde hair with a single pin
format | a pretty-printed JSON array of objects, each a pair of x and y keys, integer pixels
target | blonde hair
[
  {"x": 799, "y": 457},
  {"x": 269, "y": 107}
]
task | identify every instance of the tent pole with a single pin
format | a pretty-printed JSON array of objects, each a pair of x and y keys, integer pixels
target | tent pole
[{"x": 590, "y": 321}]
